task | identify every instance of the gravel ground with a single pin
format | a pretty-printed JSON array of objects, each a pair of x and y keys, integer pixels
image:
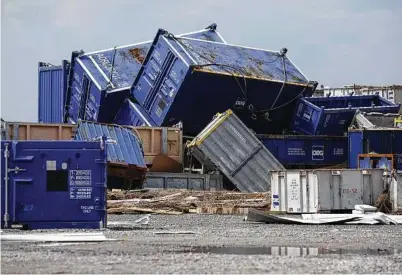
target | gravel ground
[{"x": 221, "y": 244}]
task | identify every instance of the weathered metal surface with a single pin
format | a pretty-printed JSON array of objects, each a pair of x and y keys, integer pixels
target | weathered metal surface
[
  {"x": 183, "y": 181},
  {"x": 380, "y": 141},
  {"x": 53, "y": 184},
  {"x": 393, "y": 93},
  {"x": 52, "y": 85},
  {"x": 100, "y": 80},
  {"x": 396, "y": 191},
  {"x": 124, "y": 147},
  {"x": 334, "y": 115},
  {"x": 307, "y": 151},
  {"x": 236, "y": 152},
  {"x": 312, "y": 191},
  {"x": 132, "y": 114},
  {"x": 36, "y": 131},
  {"x": 189, "y": 80},
  {"x": 374, "y": 120},
  {"x": 160, "y": 140}
]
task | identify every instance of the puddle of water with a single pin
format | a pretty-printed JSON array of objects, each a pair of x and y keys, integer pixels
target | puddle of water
[{"x": 288, "y": 251}]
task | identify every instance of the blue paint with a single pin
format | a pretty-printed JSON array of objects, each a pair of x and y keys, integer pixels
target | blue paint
[
  {"x": 39, "y": 195},
  {"x": 123, "y": 146},
  {"x": 333, "y": 115},
  {"x": 179, "y": 82},
  {"x": 100, "y": 81},
  {"x": 307, "y": 151},
  {"x": 133, "y": 114},
  {"x": 52, "y": 85},
  {"x": 387, "y": 141}
]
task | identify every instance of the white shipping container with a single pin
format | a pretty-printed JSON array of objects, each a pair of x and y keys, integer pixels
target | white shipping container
[
  {"x": 312, "y": 191},
  {"x": 396, "y": 192}
]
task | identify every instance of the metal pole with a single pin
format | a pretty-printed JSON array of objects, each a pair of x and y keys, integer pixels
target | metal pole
[{"x": 6, "y": 216}]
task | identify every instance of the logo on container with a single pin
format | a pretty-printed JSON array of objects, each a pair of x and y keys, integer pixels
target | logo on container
[{"x": 318, "y": 153}]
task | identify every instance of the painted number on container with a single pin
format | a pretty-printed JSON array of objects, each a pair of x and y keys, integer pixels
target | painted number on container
[
  {"x": 80, "y": 193},
  {"x": 338, "y": 151},
  {"x": 296, "y": 152},
  {"x": 349, "y": 190},
  {"x": 294, "y": 190},
  {"x": 80, "y": 178}
]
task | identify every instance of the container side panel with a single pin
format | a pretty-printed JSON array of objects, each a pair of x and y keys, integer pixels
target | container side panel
[
  {"x": 62, "y": 184},
  {"x": 132, "y": 114}
]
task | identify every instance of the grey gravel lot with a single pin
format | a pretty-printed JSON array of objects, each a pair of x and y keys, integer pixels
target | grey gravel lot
[{"x": 221, "y": 244}]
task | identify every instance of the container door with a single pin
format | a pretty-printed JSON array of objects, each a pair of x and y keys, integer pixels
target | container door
[{"x": 63, "y": 186}]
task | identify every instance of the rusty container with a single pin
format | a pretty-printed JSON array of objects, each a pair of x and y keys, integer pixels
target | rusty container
[{"x": 160, "y": 140}]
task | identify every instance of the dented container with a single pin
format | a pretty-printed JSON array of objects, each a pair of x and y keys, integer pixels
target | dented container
[
  {"x": 52, "y": 86},
  {"x": 37, "y": 131},
  {"x": 377, "y": 141},
  {"x": 53, "y": 184},
  {"x": 160, "y": 140},
  {"x": 334, "y": 115},
  {"x": 100, "y": 81},
  {"x": 312, "y": 191},
  {"x": 189, "y": 181},
  {"x": 230, "y": 146},
  {"x": 307, "y": 151},
  {"x": 131, "y": 113},
  {"x": 189, "y": 80}
]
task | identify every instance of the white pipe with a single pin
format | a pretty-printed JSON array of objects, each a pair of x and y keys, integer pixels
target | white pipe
[{"x": 6, "y": 216}]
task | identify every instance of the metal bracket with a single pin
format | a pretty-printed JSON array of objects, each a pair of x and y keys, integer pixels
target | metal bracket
[{"x": 16, "y": 169}]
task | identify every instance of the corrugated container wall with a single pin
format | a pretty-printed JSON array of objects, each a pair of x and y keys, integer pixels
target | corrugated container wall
[
  {"x": 385, "y": 141},
  {"x": 392, "y": 93},
  {"x": 133, "y": 114},
  {"x": 334, "y": 115},
  {"x": 37, "y": 131},
  {"x": 52, "y": 86},
  {"x": 189, "y": 80},
  {"x": 183, "y": 181},
  {"x": 236, "y": 152},
  {"x": 53, "y": 184},
  {"x": 100, "y": 81},
  {"x": 307, "y": 151},
  {"x": 312, "y": 191}
]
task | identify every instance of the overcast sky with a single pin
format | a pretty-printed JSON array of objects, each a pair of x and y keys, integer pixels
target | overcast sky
[{"x": 333, "y": 42}]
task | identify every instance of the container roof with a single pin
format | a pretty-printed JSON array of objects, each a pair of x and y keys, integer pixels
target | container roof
[
  {"x": 240, "y": 60},
  {"x": 127, "y": 62}
]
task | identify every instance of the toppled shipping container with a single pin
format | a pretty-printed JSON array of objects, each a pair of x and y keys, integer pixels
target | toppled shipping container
[
  {"x": 36, "y": 131},
  {"x": 378, "y": 141},
  {"x": 189, "y": 80},
  {"x": 374, "y": 120},
  {"x": 312, "y": 191},
  {"x": 53, "y": 184},
  {"x": 125, "y": 156},
  {"x": 334, "y": 115},
  {"x": 236, "y": 152},
  {"x": 101, "y": 80},
  {"x": 52, "y": 86},
  {"x": 133, "y": 114},
  {"x": 302, "y": 152}
]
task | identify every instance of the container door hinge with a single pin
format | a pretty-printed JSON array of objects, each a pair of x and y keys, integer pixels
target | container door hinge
[{"x": 16, "y": 170}]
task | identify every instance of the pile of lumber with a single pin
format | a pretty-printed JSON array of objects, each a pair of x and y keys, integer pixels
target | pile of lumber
[{"x": 185, "y": 201}]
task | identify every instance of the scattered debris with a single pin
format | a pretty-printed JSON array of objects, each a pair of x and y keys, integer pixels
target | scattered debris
[
  {"x": 186, "y": 201},
  {"x": 175, "y": 233},
  {"x": 255, "y": 215}
]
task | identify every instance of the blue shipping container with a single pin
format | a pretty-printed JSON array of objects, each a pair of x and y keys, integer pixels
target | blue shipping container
[
  {"x": 133, "y": 114},
  {"x": 124, "y": 147},
  {"x": 53, "y": 184},
  {"x": 101, "y": 80},
  {"x": 307, "y": 151},
  {"x": 387, "y": 141},
  {"x": 190, "y": 80},
  {"x": 52, "y": 86},
  {"x": 334, "y": 115}
]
